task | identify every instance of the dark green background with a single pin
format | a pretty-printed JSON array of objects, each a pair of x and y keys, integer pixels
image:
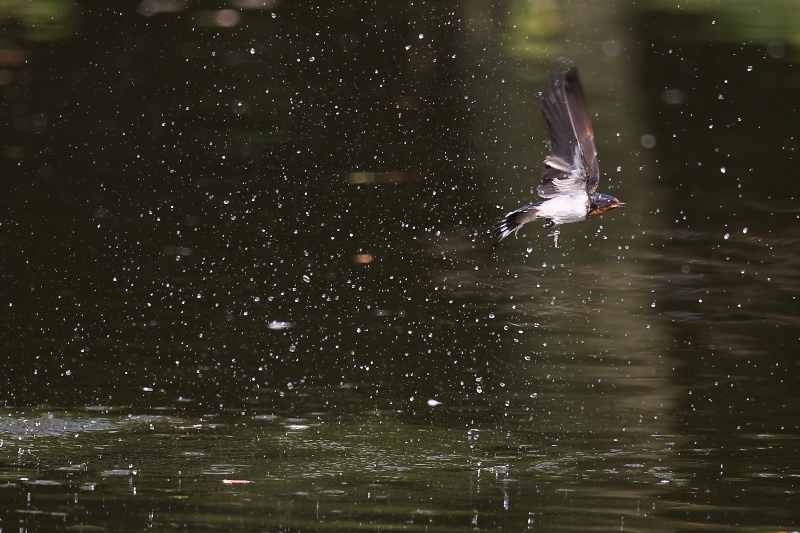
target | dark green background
[{"x": 188, "y": 206}]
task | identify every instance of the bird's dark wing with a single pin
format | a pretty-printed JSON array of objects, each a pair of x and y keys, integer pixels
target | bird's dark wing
[{"x": 572, "y": 165}]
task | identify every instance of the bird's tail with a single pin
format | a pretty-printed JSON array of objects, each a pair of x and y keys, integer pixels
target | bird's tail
[{"x": 511, "y": 222}]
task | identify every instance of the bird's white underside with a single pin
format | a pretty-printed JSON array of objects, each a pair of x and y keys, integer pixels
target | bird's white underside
[
  {"x": 572, "y": 205},
  {"x": 565, "y": 208}
]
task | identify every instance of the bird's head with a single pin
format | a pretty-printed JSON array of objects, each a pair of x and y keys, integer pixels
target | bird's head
[{"x": 600, "y": 203}]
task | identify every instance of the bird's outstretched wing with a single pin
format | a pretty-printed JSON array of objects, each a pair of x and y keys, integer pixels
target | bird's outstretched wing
[{"x": 572, "y": 166}]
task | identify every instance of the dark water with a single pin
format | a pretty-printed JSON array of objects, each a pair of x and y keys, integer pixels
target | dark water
[{"x": 247, "y": 286}]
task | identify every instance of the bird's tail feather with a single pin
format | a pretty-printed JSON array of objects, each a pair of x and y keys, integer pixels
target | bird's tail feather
[{"x": 511, "y": 222}]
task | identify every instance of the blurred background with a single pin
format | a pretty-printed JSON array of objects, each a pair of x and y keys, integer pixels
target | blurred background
[{"x": 247, "y": 285}]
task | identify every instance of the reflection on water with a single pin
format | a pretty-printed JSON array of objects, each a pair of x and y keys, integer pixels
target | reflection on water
[
  {"x": 248, "y": 280},
  {"x": 21, "y": 428},
  {"x": 377, "y": 468}
]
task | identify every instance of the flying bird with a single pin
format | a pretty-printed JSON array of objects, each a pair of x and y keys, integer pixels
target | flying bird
[{"x": 571, "y": 171}]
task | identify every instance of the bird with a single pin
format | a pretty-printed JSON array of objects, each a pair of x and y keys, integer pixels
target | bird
[{"x": 571, "y": 170}]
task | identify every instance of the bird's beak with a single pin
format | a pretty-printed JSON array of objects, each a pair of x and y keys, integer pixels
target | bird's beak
[{"x": 620, "y": 204}]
